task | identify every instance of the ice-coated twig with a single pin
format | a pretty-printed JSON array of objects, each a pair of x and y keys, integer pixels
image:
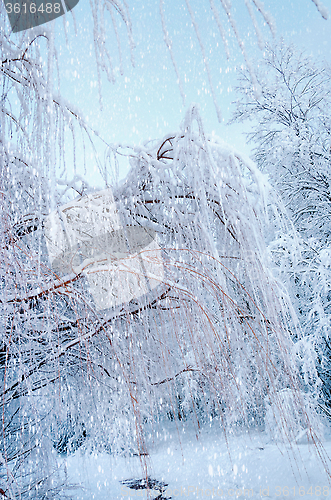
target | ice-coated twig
[
  {"x": 205, "y": 60},
  {"x": 168, "y": 42},
  {"x": 257, "y": 89},
  {"x": 321, "y": 9},
  {"x": 255, "y": 24},
  {"x": 266, "y": 16},
  {"x": 220, "y": 27}
]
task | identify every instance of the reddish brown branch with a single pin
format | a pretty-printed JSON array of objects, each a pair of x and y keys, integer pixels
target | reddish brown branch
[
  {"x": 37, "y": 295},
  {"x": 168, "y": 379}
]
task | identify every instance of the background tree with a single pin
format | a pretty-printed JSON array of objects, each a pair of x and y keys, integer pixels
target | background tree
[
  {"x": 292, "y": 134},
  {"x": 291, "y": 137}
]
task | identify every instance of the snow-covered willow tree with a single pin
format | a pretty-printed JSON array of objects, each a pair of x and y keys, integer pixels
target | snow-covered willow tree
[{"x": 212, "y": 339}]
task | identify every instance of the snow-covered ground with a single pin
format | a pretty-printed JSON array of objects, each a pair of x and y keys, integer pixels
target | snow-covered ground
[{"x": 242, "y": 465}]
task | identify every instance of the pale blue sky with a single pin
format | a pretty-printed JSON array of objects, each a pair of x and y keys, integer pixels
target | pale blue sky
[{"x": 145, "y": 102}]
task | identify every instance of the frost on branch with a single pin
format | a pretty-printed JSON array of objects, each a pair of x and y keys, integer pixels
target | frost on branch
[{"x": 321, "y": 9}]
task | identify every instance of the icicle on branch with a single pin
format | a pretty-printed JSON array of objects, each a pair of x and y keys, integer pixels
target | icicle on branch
[
  {"x": 168, "y": 43},
  {"x": 321, "y": 9}
]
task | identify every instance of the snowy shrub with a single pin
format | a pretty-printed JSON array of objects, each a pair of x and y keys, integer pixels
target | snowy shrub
[{"x": 302, "y": 426}]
